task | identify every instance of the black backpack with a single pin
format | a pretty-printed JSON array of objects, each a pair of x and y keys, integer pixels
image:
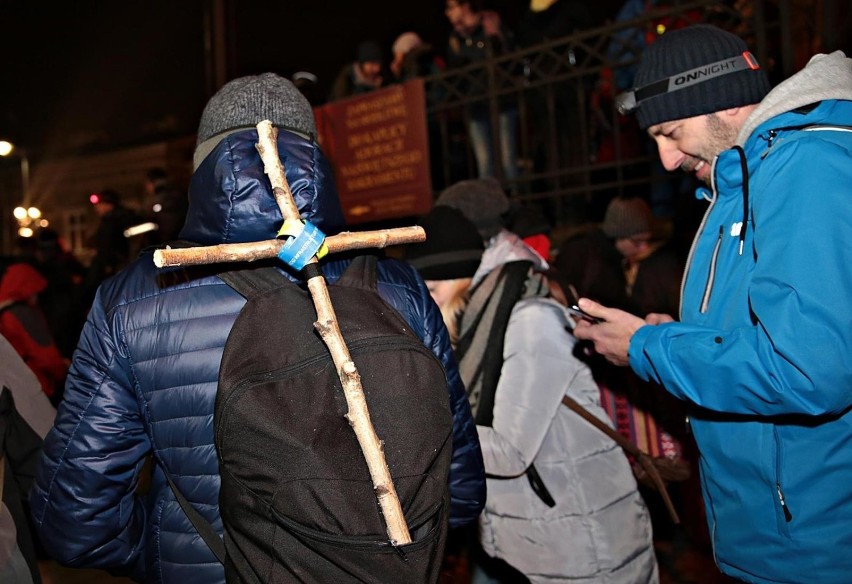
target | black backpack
[{"x": 296, "y": 500}]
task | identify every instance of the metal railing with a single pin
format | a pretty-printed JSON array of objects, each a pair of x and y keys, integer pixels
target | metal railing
[{"x": 573, "y": 147}]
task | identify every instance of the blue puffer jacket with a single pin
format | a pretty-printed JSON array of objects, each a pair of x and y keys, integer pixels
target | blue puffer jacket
[
  {"x": 764, "y": 349},
  {"x": 143, "y": 381}
]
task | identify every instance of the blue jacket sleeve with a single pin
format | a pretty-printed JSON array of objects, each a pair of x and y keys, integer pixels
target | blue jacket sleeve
[
  {"x": 467, "y": 471},
  {"x": 796, "y": 356},
  {"x": 83, "y": 502}
]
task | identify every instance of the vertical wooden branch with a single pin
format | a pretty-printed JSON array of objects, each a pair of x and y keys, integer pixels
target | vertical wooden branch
[{"x": 327, "y": 325}]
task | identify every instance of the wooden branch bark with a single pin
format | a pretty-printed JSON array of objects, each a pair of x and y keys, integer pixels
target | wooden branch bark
[
  {"x": 257, "y": 250},
  {"x": 326, "y": 323}
]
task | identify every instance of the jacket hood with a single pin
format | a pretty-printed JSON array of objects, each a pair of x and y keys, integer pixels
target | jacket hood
[
  {"x": 20, "y": 282},
  {"x": 503, "y": 248},
  {"x": 231, "y": 199},
  {"x": 824, "y": 77}
]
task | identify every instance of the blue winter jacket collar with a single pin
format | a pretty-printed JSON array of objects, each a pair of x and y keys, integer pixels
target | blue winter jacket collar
[
  {"x": 809, "y": 98},
  {"x": 230, "y": 196}
]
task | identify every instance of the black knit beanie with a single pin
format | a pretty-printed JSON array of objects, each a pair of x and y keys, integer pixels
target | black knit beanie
[
  {"x": 686, "y": 49},
  {"x": 481, "y": 200},
  {"x": 369, "y": 51},
  {"x": 453, "y": 247},
  {"x": 246, "y": 101}
]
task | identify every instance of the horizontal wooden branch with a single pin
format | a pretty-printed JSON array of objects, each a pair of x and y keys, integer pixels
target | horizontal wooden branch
[{"x": 258, "y": 250}]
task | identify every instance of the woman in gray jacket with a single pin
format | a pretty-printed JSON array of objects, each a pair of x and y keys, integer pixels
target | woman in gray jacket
[{"x": 562, "y": 504}]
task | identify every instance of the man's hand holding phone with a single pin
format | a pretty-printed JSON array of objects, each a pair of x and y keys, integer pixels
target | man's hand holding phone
[
  {"x": 612, "y": 331},
  {"x": 583, "y": 315}
]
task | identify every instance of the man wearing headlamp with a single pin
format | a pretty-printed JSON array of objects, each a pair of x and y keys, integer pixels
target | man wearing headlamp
[{"x": 763, "y": 349}]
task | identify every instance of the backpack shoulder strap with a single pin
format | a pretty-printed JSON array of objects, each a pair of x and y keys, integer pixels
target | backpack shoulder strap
[
  {"x": 361, "y": 273},
  {"x": 483, "y": 330},
  {"x": 202, "y": 526},
  {"x": 253, "y": 282},
  {"x": 642, "y": 457}
]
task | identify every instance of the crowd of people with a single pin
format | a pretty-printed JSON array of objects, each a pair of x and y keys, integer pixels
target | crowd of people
[
  {"x": 476, "y": 35},
  {"x": 486, "y": 136},
  {"x": 730, "y": 367}
]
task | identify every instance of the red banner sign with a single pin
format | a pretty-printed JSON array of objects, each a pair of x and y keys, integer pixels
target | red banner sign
[{"x": 378, "y": 146}]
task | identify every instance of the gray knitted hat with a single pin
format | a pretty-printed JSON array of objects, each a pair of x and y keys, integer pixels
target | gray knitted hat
[
  {"x": 242, "y": 103},
  {"x": 481, "y": 200},
  {"x": 729, "y": 83},
  {"x": 627, "y": 217}
]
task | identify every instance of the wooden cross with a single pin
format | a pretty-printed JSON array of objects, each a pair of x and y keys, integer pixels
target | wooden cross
[{"x": 326, "y": 323}]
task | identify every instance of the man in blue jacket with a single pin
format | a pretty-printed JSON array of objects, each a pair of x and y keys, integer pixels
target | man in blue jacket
[
  {"x": 143, "y": 379},
  {"x": 763, "y": 351}
]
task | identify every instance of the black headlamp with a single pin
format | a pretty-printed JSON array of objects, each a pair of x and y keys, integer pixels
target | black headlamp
[{"x": 628, "y": 101}]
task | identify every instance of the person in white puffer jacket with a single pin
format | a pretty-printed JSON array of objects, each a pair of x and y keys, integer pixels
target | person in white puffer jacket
[{"x": 562, "y": 503}]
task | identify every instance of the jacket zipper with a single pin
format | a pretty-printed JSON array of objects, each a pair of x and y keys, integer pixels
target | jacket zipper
[
  {"x": 788, "y": 516},
  {"x": 772, "y": 134},
  {"x": 713, "y": 544},
  {"x": 711, "y": 275},
  {"x": 699, "y": 232},
  {"x": 361, "y": 542}
]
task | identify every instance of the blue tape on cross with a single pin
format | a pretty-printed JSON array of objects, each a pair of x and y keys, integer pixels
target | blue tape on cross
[{"x": 300, "y": 248}]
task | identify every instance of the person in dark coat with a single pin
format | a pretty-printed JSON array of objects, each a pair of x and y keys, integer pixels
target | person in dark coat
[
  {"x": 144, "y": 377},
  {"x": 169, "y": 205},
  {"x": 555, "y": 111},
  {"x": 477, "y": 36},
  {"x": 628, "y": 263},
  {"x": 362, "y": 76},
  {"x": 62, "y": 301},
  {"x": 112, "y": 248}
]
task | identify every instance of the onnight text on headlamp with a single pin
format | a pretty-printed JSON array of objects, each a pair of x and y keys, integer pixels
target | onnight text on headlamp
[{"x": 628, "y": 101}]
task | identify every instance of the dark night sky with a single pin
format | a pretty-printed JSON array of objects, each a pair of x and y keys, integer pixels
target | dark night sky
[{"x": 93, "y": 74}]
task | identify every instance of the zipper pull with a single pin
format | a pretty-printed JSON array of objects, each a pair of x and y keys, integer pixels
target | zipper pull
[
  {"x": 399, "y": 551},
  {"x": 787, "y": 515},
  {"x": 772, "y": 135}
]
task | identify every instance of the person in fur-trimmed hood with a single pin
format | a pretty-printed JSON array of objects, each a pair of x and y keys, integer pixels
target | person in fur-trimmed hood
[
  {"x": 763, "y": 352},
  {"x": 563, "y": 505}
]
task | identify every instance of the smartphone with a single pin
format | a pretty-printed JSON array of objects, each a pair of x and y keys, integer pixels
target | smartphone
[{"x": 577, "y": 311}]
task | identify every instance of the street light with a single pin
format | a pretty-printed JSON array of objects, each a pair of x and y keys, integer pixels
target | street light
[
  {"x": 27, "y": 216},
  {"x": 6, "y": 149}
]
